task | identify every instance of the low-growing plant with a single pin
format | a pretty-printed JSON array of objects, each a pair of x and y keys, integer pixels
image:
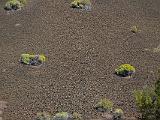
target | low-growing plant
[
  {"x": 134, "y": 29},
  {"x": 14, "y": 4},
  {"x": 80, "y": 3},
  {"x": 104, "y": 105},
  {"x": 125, "y": 70},
  {"x": 157, "y": 87},
  {"x": 118, "y": 114},
  {"x": 158, "y": 108},
  {"x": 146, "y": 101},
  {"x": 43, "y": 116},
  {"x": 157, "y": 91},
  {"x": 32, "y": 59},
  {"x": 76, "y": 116},
  {"x": 62, "y": 116}
]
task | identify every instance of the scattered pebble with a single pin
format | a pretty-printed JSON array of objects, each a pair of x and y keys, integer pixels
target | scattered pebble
[
  {"x": 1, "y": 112},
  {"x": 4, "y": 70},
  {"x": 3, "y": 104},
  {"x": 16, "y": 25}
]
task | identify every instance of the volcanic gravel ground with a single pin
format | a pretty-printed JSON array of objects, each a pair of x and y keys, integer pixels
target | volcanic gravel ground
[{"x": 83, "y": 48}]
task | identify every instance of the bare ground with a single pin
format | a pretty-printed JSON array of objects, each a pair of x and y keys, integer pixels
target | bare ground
[{"x": 82, "y": 49}]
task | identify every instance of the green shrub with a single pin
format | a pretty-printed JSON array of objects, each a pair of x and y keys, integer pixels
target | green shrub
[
  {"x": 146, "y": 101},
  {"x": 32, "y": 59},
  {"x": 134, "y": 29},
  {"x": 25, "y": 58},
  {"x": 158, "y": 108},
  {"x": 125, "y": 70},
  {"x": 42, "y": 58},
  {"x": 157, "y": 87},
  {"x": 62, "y": 116},
  {"x": 13, "y": 5},
  {"x": 80, "y": 3},
  {"x": 118, "y": 114},
  {"x": 77, "y": 116},
  {"x": 43, "y": 116},
  {"x": 157, "y": 91},
  {"x": 105, "y": 105}
]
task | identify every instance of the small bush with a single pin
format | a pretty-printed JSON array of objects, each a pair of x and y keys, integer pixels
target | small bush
[
  {"x": 62, "y": 116},
  {"x": 157, "y": 87},
  {"x": 77, "y": 116},
  {"x": 157, "y": 91},
  {"x": 125, "y": 70},
  {"x": 146, "y": 101},
  {"x": 158, "y": 108},
  {"x": 13, "y": 5},
  {"x": 43, "y": 116},
  {"x": 104, "y": 105},
  {"x": 80, "y": 3},
  {"x": 118, "y": 114},
  {"x": 134, "y": 29},
  {"x": 32, "y": 59}
]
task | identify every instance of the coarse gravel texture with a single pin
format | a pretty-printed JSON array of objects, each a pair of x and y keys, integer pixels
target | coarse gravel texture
[{"x": 83, "y": 48}]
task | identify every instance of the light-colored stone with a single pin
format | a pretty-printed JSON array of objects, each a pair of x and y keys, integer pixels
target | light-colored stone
[
  {"x": 16, "y": 25},
  {"x": 3, "y": 104},
  {"x": 1, "y": 112},
  {"x": 107, "y": 116}
]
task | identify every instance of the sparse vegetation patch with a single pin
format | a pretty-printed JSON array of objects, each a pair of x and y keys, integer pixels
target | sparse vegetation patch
[
  {"x": 125, "y": 70},
  {"x": 104, "y": 105},
  {"x": 81, "y": 4},
  {"x": 134, "y": 29},
  {"x": 34, "y": 60},
  {"x": 62, "y": 116},
  {"x": 148, "y": 103},
  {"x": 14, "y": 4}
]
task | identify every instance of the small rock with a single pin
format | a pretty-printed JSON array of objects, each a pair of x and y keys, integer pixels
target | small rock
[
  {"x": 120, "y": 103},
  {"x": 16, "y": 25},
  {"x": 1, "y": 112},
  {"x": 3, "y": 104},
  {"x": 4, "y": 70},
  {"x": 107, "y": 116}
]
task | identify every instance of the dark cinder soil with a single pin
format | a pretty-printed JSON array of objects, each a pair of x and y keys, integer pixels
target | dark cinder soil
[{"x": 82, "y": 49}]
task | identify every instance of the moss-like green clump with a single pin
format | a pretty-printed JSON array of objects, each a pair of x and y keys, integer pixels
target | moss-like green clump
[
  {"x": 61, "y": 116},
  {"x": 125, "y": 70},
  {"x": 14, "y": 4},
  {"x": 134, "y": 29},
  {"x": 32, "y": 59},
  {"x": 80, "y": 3},
  {"x": 105, "y": 105}
]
